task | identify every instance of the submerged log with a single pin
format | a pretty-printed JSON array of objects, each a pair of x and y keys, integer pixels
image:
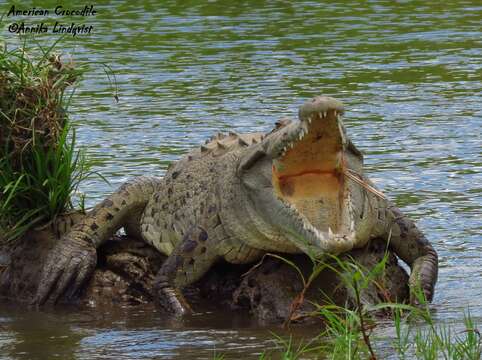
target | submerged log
[{"x": 127, "y": 266}]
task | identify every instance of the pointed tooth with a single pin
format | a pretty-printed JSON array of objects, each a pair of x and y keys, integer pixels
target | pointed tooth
[
  {"x": 300, "y": 136},
  {"x": 330, "y": 233},
  {"x": 319, "y": 234},
  {"x": 325, "y": 113}
]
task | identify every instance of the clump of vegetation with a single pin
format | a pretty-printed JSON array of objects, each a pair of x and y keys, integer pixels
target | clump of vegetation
[
  {"x": 348, "y": 331},
  {"x": 40, "y": 168}
]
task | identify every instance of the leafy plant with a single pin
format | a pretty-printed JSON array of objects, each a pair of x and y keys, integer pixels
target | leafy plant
[{"x": 40, "y": 168}]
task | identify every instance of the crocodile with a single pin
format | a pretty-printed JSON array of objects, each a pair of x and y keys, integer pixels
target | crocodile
[{"x": 300, "y": 188}]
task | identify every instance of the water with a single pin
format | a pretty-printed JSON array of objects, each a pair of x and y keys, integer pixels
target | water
[{"x": 410, "y": 77}]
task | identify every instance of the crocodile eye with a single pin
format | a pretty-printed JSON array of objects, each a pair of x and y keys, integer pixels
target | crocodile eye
[{"x": 249, "y": 162}]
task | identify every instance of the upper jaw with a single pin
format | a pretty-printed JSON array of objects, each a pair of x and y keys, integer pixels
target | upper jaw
[
  {"x": 316, "y": 112},
  {"x": 321, "y": 106}
]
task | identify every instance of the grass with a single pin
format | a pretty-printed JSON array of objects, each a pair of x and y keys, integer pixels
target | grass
[
  {"x": 40, "y": 168},
  {"x": 348, "y": 331}
]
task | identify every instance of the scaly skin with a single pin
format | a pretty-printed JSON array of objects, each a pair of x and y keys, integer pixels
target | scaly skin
[{"x": 300, "y": 188}]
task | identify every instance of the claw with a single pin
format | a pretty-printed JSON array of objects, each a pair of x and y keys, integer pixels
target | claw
[
  {"x": 170, "y": 299},
  {"x": 65, "y": 271},
  {"x": 172, "y": 302},
  {"x": 61, "y": 286}
]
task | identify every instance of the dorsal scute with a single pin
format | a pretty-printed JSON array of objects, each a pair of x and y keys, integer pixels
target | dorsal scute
[{"x": 221, "y": 144}]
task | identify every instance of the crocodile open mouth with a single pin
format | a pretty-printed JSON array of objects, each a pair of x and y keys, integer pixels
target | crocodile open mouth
[{"x": 307, "y": 176}]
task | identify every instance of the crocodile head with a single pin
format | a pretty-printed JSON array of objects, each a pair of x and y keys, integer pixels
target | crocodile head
[{"x": 295, "y": 180}]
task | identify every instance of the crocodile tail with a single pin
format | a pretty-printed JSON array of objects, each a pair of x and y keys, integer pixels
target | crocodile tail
[{"x": 121, "y": 208}]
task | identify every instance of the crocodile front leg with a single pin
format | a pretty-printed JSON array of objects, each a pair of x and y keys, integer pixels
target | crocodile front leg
[
  {"x": 73, "y": 259},
  {"x": 412, "y": 247},
  {"x": 189, "y": 261}
]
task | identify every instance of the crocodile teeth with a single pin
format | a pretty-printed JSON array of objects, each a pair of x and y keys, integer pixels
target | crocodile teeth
[
  {"x": 319, "y": 234},
  {"x": 330, "y": 233},
  {"x": 309, "y": 119},
  {"x": 325, "y": 113}
]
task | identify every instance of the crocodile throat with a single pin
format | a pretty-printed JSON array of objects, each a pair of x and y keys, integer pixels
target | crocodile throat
[{"x": 307, "y": 175}]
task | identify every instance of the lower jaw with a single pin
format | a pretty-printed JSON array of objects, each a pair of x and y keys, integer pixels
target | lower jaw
[{"x": 318, "y": 196}]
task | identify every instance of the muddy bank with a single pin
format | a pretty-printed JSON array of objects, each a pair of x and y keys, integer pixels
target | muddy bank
[{"x": 126, "y": 269}]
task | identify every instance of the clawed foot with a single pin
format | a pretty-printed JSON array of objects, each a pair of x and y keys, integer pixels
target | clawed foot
[
  {"x": 171, "y": 301},
  {"x": 420, "y": 297},
  {"x": 68, "y": 266}
]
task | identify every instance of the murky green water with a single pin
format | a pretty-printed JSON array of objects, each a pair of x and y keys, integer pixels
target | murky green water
[{"x": 410, "y": 77}]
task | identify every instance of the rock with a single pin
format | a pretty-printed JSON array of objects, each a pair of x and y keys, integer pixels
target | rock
[
  {"x": 20, "y": 277},
  {"x": 269, "y": 291},
  {"x": 127, "y": 267}
]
